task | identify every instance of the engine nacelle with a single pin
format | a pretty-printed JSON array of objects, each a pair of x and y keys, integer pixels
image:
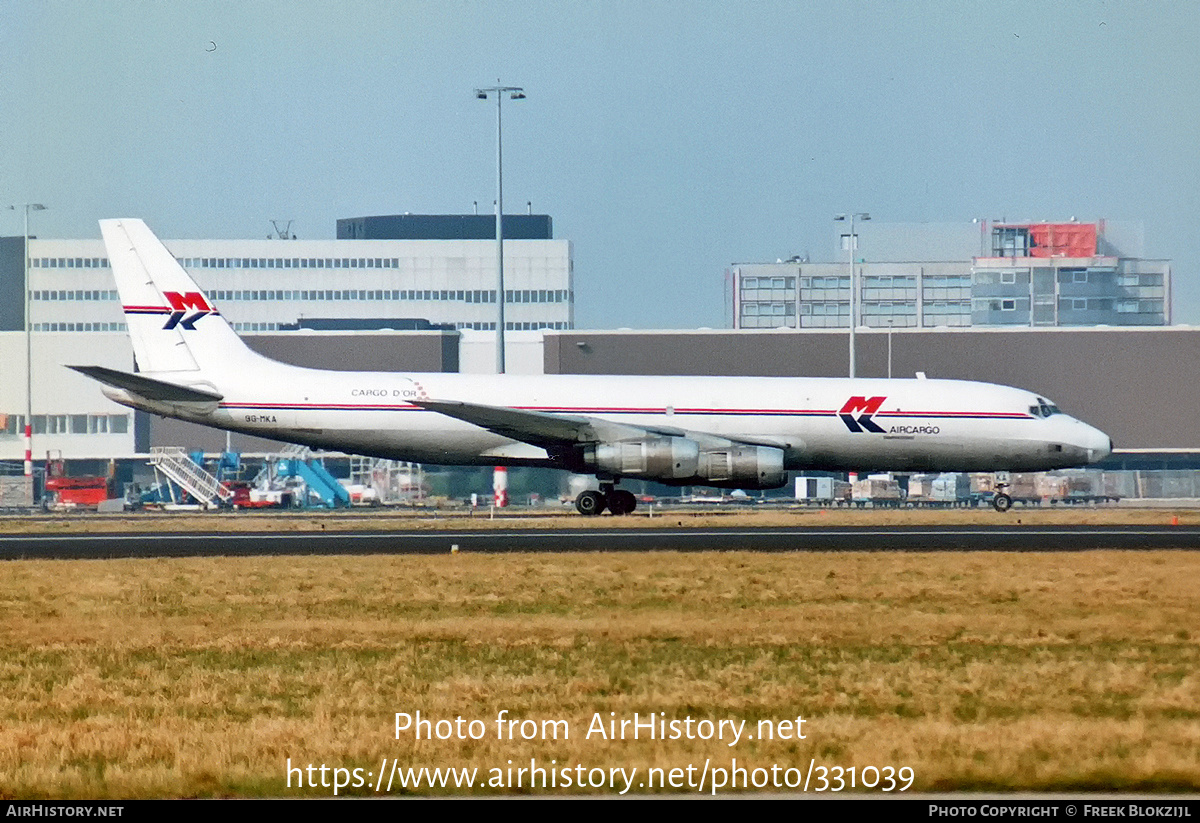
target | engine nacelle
[
  {"x": 657, "y": 458},
  {"x": 679, "y": 461},
  {"x": 743, "y": 467}
]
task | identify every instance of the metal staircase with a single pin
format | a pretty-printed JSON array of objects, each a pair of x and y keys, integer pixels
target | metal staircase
[
  {"x": 267, "y": 476},
  {"x": 297, "y": 462},
  {"x": 202, "y": 486}
]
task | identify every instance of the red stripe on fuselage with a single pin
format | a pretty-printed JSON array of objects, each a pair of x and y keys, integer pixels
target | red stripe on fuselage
[{"x": 636, "y": 410}]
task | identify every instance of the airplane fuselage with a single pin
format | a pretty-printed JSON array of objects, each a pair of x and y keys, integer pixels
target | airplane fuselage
[{"x": 819, "y": 423}]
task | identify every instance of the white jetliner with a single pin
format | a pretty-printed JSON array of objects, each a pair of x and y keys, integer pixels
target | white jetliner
[{"x": 732, "y": 432}]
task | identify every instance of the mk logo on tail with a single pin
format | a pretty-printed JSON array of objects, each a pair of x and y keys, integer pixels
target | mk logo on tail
[
  {"x": 867, "y": 406},
  {"x": 181, "y": 304}
]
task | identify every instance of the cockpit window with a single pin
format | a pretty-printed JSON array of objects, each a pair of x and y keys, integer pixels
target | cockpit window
[{"x": 1044, "y": 408}]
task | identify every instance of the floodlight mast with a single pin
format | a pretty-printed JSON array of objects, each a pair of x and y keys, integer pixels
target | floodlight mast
[
  {"x": 853, "y": 244},
  {"x": 514, "y": 93},
  {"x": 28, "y": 345}
]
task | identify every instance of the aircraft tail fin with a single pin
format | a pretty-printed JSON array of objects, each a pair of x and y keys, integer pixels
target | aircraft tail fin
[{"x": 172, "y": 323}]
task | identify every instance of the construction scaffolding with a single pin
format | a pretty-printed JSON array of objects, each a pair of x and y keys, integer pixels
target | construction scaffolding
[{"x": 375, "y": 481}]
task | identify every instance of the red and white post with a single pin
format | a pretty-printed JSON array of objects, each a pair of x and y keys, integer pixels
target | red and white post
[{"x": 500, "y": 486}]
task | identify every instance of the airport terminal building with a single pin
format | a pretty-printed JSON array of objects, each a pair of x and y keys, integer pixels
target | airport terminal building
[{"x": 960, "y": 275}]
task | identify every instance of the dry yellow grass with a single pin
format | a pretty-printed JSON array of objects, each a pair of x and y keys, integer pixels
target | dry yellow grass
[{"x": 197, "y": 677}]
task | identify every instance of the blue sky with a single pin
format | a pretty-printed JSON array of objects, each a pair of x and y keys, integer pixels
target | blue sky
[{"x": 667, "y": 139}]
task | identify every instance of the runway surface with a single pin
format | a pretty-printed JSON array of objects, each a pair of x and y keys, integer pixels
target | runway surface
[{"x": 778, "y": 539}]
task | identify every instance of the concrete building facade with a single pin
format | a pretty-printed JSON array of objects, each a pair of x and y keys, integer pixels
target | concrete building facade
[
  {"x": 268, "y": 285},
  {"x": 1029, "y": 274}
]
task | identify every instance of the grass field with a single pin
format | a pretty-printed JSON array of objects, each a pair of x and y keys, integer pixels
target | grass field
[{"x": 203, "y": 677}]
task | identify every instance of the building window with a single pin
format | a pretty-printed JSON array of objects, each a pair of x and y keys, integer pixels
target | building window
[
  {"x": 1010, "y": 241},
  {"x": 14, "y": 424}
]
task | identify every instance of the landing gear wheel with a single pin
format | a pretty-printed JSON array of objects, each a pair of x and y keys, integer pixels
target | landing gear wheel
[
  {"x": 590, "y": 503},
  {"x": 621, "y": 502},
  {"x": 1002, "y": 502}
]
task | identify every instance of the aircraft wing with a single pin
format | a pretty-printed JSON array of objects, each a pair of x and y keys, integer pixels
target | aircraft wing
[
  {"x": 549, "y": 430},
  {"x": 538, "y": 428},
  {"x": 148, "y": 387}
]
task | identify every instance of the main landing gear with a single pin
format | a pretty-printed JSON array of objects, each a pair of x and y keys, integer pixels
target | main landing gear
[{"x": 617, "y": 501}]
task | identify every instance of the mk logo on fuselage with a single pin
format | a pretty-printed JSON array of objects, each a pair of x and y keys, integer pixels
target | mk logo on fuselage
[
  {"x": 864, "y": 407},
  {"x": 181, "y": 304}
]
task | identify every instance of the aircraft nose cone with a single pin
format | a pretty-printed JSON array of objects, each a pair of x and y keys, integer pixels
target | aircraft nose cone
[{"x": 1099, "y": 445}]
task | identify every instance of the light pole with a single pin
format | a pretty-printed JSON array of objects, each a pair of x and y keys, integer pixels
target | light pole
[
  {"x": 514, "y": 93},
  {"x": 28, "y": 347},
  {"x": 853, "y": 244},
  {"x": 890, "y": 348}
]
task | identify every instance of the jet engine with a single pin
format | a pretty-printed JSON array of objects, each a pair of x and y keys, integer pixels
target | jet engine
[
  {"x": 657, "y": 458},
  {"x": 743, "y": 467},
  {"x": 680, "y": 461}
]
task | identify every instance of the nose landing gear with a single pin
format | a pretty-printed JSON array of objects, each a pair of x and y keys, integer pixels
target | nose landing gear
[
  {"x": 1001, "y": 501},
  {"x": 618, "y": 501}
]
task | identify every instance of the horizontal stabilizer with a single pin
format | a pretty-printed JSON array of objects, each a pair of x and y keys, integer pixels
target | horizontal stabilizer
[{"x": 148, "y": 387}]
